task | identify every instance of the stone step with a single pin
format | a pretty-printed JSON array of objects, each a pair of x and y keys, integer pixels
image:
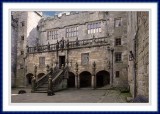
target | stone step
[
  {"x": 40, "y": 91},
  {"x": 43, "y": 86}
]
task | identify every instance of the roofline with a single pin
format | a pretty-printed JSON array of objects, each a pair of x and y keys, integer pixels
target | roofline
[{"x": 38, "y": 14}]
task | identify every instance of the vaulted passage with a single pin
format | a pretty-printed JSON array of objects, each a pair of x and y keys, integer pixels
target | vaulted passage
[
  {"x": 71, "y": 80},
  {"x": 85, "y": 79},
  {"x": 102, "y": 78},
  {"x": 29, "y": 78},
  {"x": 40, "y": 75}
]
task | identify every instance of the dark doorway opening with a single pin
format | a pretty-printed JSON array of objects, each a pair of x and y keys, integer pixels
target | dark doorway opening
[
  {"x": 85, "y": 79},
  {"x": 102, "y": 78},
  {"x": 61, "y": 61},
  {"x": 71, "y": 80},
  {"x": 29, "y": 78},
  {"x": 40, "y": 75}
]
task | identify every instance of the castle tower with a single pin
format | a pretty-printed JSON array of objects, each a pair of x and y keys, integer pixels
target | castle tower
[{"x": 26, "y": 36}]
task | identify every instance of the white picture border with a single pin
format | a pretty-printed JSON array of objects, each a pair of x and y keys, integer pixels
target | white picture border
[{"x": 151, "y": 106}]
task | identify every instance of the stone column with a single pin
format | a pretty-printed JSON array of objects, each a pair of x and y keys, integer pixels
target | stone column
[
  {"x": 111, "y": 70},
  {"x": 35, "y": 72},
  {"x": 33, "y": 84},
  {"x": 76, "y": 81},
  {"x": 76, "y": 77},
  {"x": 93, "y": 82}
]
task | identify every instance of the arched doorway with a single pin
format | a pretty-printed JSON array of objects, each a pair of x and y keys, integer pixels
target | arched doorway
[
  {"x": 85, "y": 79},
  {"x": 71, "y": 80},
  {"x": 29, "y": 78},
  {"x": 102, "y": 78},
  {"x": 40, "y": 75}
]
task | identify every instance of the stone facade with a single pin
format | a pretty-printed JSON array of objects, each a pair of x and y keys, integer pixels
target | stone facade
[
  {"x": 93, "y": 44},
  {"x": 138, "y": 43},
  {"x": 101, "y": 55},
  {"x": 26, "y": 35},
  {"x": 14, "y": 34}
]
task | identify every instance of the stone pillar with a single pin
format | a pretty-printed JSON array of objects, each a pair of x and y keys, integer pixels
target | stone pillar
[
  {"x": 93, "y": 82},
  {"x": 77, "y": 77},
  {"x": 33, "y": 84},
  {"x": 35, "y": 72},
  {"x": 111, "y": 71},
  {"x": 76, "y": 81},
  {"x": 47, "y": 68}
]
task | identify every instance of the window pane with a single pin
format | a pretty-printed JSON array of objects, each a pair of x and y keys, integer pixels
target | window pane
[
  {"x": 74, "y": 33},
  {"x": 94, "y": 30},
  {"x": 99, "y": 25},
  {"x": 91, "y": 26},
  {"x": 89, "y": 31},
  {"x": 94, "y": 25}
]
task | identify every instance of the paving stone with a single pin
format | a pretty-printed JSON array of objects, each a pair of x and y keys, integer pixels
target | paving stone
[{"x": 70, "y": 96}]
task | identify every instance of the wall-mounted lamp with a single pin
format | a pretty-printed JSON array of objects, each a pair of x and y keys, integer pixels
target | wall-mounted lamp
[{"x": 131, "y": 56}]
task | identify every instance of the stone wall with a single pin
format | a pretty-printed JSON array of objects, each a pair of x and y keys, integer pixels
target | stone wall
[
  {"x": 142, "y": 53},
  {"x": 132, "y": 31},
  {"x": 14, "y": 34},
  {"x": 27, "y": 23},
  {"x": 138, "y": 43},
  {"x": 81, "y": 19},
  {"x": 102, "y": 55}
]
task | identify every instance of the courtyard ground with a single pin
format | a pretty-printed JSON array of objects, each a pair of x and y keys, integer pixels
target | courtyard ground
[{"x": 85, "y": 95}]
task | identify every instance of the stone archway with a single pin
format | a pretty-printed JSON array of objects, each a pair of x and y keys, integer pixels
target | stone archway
[
  {"x": 102, "y": 78},
  {"x": 85, "y": 79},
  {"x": 29, "y": 78},
  {"x": 71, "y": 80},
  {"x": 40, "y": 75}
]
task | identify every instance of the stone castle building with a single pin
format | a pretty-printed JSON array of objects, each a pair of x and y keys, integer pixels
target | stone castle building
[{"x": 81, "y": 49}]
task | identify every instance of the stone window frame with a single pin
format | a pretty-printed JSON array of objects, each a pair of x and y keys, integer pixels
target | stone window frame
[
  {"x": 117, "y": 74},
  {"x": 41, "y": 61},
  {"x": 119, "y": 19},
  {"x": 22, "y": 52},
  {"x": 118, "y": 56},
  {"x": 118, "y": 41},
  {"x": 82, "y": 55},
  {"x": 94, "y": 27},
  {"x": 72, "y": 31},
  {"x": 21, "y": 66},
  {"x": 52, "y": 34},
  {"x": 23, "y": 23},
  {"x": 22, "y": 38}
]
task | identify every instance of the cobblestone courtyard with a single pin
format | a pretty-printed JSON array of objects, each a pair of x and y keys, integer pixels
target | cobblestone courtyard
[{"x": 71, "y": 96}]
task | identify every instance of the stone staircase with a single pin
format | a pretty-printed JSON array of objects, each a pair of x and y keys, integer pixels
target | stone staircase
[
  {"x": 43, "y": 88},
  {"x": 57, "y": 75}
]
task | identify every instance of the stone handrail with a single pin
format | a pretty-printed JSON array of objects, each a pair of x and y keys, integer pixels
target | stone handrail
[
  {"x": 59, "y": 77},
  {"x": 69, "y": 45},
  {"x": 42, "y": 80}
]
